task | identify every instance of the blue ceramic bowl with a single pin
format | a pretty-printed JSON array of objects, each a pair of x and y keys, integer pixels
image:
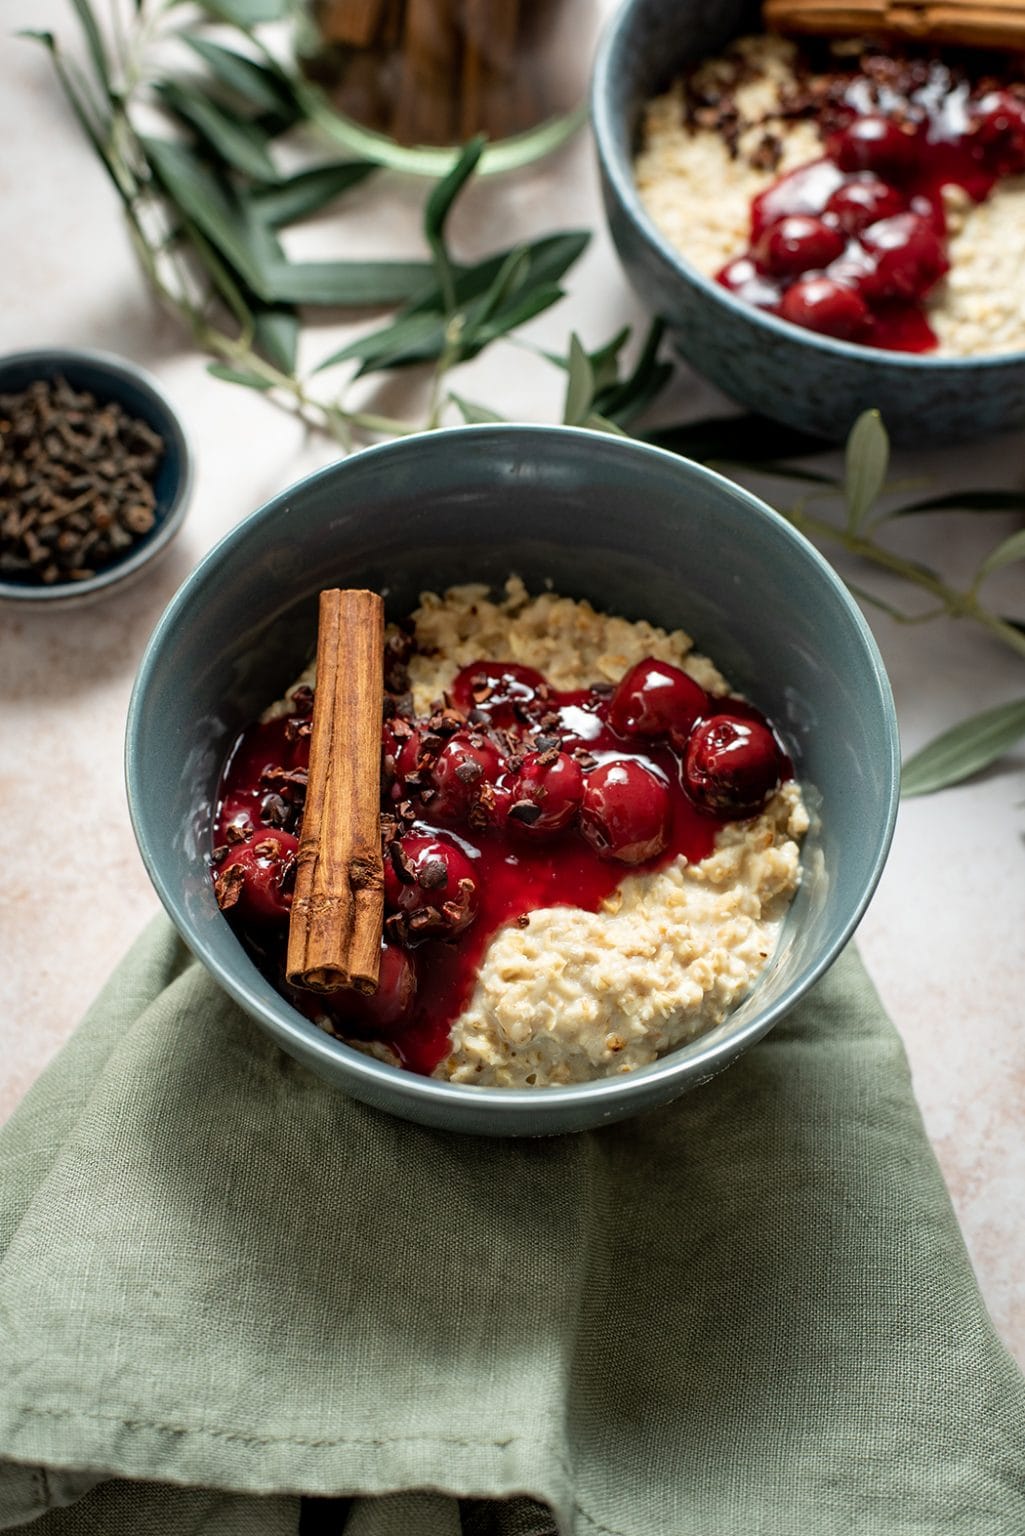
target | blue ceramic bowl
[
  {"x": 792, "y": 375},
  {"x": 639, "y": 532},
  {"x": 109, "y": 378}
]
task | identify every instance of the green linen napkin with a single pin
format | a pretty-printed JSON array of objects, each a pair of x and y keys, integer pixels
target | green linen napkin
[{"x": 224, "y": 1285}]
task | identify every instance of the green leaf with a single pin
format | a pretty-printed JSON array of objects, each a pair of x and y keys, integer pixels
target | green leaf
[
  {"x": 250, "y": 80},
  {"x": 96, "y": 130},
  {"x": 747, "y": 439},
  {"x": 965, "y": 501},
  {"x": 380, "y": 348},
  {"x": 276, "y": 337},
  {"x": 600, "y": 423},
  {"x": 550, "y": 258},
  {"x": 230, "y": 138},
  {"x": 246, "y": 13},
  {"x": 517, "y": 313},
  {"x": 624, "y": 402},
  {"x": 965, "y": 749},
  {"x": 202, "y": 199},
  {"x": 439, "y": 206},
  {"x": 345, "y": 284},
  {"x": 866, "y": 461},
  {"x": 1007, "y": 553},
  {"x": 308, "y": 191},
  {"x": 238, "y": 376},
  {"x": 474, "y": 414},
  {"x": 94, "y": 42},
  {"x": 580, "y": 384}
]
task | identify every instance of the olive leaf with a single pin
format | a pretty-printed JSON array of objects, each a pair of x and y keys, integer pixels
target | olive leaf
[
  {"x": 439, "y": 206},
  {"x": 246, "y": 13},
  {"x": 233, "y": 139},
  {"x": 471, "y": 413},
  {"x": 579, "y": 385},
  {"x": 238, "y": 376},
  {"x": 276, "y": 337},
  {"x": 261, "y": 87},
  {"x": 1011, "y": 550},
  {"x": 517, "y": 281},
  {"x": 307, "y": 192},
  {"x": 965, "y": 749},
  {"x": 623, "y": 401},
  {"x": 94, "y": 43},
  {"x": 866, "y": 460}
]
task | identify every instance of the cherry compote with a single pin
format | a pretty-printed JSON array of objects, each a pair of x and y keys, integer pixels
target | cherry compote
[
  {"x": 852, "y": 244},
  {"x": 509, "y": 798}
]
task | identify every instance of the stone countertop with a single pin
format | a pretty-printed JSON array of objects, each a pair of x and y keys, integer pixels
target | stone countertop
[{"x": 943, "y": 935}]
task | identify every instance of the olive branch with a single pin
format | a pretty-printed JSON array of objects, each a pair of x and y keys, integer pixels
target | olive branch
[{"x": 206, "y": 208}]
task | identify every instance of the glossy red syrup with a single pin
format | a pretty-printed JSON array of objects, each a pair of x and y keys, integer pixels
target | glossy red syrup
[
  {"x": 865, "y": 223},
  {"x": 517, "y": 869}
]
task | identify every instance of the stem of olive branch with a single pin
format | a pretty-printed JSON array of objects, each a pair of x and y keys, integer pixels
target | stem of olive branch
[{"x": 951, "y": 601}]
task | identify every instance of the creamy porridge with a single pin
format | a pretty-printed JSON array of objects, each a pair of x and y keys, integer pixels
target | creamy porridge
[
  {"x": 590, "y": 843},
  {"x": 934, "y": 263}
]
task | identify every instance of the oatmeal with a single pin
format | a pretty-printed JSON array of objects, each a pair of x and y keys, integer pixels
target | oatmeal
[
  {"x": 590, "y": 842},
  {"x": 877, "y": 197}
]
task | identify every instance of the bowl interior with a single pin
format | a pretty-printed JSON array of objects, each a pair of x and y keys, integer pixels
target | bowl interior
[
  {"x": 110, "y": 378},
  {"x": 637, "y": 532},
  {"x": 814, "y": 382}
]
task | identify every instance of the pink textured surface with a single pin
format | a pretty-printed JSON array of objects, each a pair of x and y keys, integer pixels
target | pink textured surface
[{"x": 943, "y": 937}]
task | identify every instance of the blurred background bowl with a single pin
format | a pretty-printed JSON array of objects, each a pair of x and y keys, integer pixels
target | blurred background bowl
[
  {"x": 637, "y": 531},
  {"x": 793, "y": 375},
  {"x": 109, "y": 379}
]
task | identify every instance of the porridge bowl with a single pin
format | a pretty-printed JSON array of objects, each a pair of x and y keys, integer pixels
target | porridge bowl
[
  {"x": 816, "y": 382},
  {"x": 620, "y": 531}
]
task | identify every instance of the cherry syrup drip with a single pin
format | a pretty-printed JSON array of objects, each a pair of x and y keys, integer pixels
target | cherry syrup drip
[
  {"x": 534, "y": 799},
  {"x": 852, "y": 244}
]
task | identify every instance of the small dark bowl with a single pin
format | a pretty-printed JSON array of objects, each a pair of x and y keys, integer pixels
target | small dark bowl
[
  {"x": 792, "y": 375},
  {"x": 639, "y": 532},
  {"x": 109, "y": 379}
]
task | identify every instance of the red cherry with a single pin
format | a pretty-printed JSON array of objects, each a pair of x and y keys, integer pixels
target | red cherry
[
  {"x": 804, "y": 190},
  {"x": 743, "y": 278},
  {"x": 546, "y": 795},
  {"x": 863, "y": 201},
  {"x": 466, "y": 763},
  {"x": 909, "y": 258},
  {"x": 824, "y": 305},
  {"x": 433, "y": 884},
  {"x": 654, "y": 698},
  {"x": 390, "y": 1007},
  {"x": 504, "y": 690},
  {"x": 798, "y": 243},
  {"x": 626, "y": 812},
  {"x": 877, "y": 144},
  {"x": 732, "y": 765},
  {"x": 263, "y": 889},
  {"x": 998, "y": 132}
]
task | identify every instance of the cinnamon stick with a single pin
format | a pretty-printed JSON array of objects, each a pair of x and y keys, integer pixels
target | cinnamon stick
[
  {"x": 354, "y": 22},
  {"x": 979, "y": 23},
  {"x": 334, "y": 934}
]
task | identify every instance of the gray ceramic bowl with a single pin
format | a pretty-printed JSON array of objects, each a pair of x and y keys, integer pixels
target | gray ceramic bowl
[
  {"x": 792, "y": 375},
  {"x": 109, "y": 378},
  {"x": 637, "y": 531}
]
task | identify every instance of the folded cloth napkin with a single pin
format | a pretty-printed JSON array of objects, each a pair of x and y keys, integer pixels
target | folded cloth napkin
[{"x": 225, "y": 1286}]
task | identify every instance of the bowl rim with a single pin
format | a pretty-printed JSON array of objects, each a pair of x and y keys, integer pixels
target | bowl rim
[
  {"x": 618, "y": 170},
  {"x": 119, "y": 370},
  {"x": 381, "y": 1081}
]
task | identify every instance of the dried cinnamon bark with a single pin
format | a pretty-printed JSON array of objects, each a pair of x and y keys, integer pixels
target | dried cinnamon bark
[
  {"x": 972, "y": 23},
  {"x": 337, "y": 917}
]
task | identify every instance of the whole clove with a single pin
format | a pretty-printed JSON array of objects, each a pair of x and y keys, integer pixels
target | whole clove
[{"x": 77, "y": 482}]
